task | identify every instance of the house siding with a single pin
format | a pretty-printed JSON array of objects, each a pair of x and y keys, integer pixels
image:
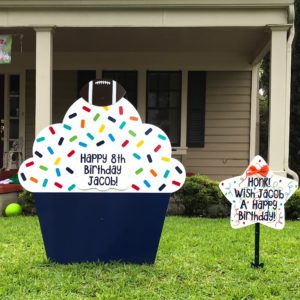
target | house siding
[
  {"x": 227, "y": 120},
  {"x": 227, "y": 127}
]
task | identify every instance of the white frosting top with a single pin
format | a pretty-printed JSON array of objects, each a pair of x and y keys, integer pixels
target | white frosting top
[{"x": 102, "y": 148}]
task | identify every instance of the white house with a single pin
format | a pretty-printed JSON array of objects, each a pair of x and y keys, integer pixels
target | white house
[{"x": 191, "y": 67}]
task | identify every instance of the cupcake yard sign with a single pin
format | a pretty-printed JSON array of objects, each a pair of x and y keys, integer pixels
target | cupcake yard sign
[
  {"x": 102, "y": 180},
  {"x": 258, "y": 197}
]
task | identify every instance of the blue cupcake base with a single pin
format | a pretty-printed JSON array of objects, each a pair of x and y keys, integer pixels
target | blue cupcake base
[{"x": 90, "y": 227}]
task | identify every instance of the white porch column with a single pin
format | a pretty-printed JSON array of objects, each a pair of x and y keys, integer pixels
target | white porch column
[
  {"x": 277, "y": 119},
  {"x": 43, "y": 81}
]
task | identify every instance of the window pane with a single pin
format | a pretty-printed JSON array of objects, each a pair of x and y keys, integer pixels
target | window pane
[
  {"x": 163, "y": 84},
  {"x": 164, "y": 102},
  {"x": 152, "y": 99},
  {"x": 14, "y": 107},
  {"x": 167, "y": 120},
  {"x": 163, "y": 99},
  {"x": 152, "y": 81},
  {"x": 83, "y": 77},
  {"x": 174, "y": 81},
  {"x": 14, "y": 129},
  {"x": 14, "y": 83},
  {"x": 174, "y": 99}
]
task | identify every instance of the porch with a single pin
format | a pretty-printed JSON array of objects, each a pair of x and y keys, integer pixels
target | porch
[{"x": 214, "y": 134}]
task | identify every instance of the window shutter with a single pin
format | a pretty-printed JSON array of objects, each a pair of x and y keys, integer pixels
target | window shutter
[{"x": 196, "y": 109}]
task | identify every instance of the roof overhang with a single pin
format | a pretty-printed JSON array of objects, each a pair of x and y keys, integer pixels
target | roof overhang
[{"x": 73, "y": 4}]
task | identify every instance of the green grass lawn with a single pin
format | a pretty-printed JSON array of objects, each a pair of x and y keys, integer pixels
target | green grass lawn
[{"x": 197, "y": 259}]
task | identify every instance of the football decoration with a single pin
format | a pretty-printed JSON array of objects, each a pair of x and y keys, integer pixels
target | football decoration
[{"x": 102, "y": 92}]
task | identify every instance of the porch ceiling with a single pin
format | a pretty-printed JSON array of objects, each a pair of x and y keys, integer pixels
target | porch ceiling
[{"x": 244, "y": 41}]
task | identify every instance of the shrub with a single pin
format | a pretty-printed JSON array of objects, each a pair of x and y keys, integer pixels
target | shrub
[
  {"x": 28, "y": 203},
  {"x": 292, "y": 207},
  {"x": 201, "y": 196}
]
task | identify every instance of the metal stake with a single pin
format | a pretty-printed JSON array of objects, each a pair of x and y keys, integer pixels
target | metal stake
[{"x": 256, "y": 263}]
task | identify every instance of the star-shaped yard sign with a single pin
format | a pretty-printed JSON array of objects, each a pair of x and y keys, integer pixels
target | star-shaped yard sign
[{"x": 258, "y": 196}]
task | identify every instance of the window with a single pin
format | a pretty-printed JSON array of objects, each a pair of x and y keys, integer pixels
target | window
[
  {"x": 83, "y": 77},
  {"x": 196, "y": 109},
  {"x": 164, "y": 102},
  {"x": 128, "y": 79}
]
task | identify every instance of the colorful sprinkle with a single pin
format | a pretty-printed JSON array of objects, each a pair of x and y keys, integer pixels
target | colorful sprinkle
[
  {"x": 100, "y": 143},
  {"x": 176, "y": 183},
  {"x": 140, "y": 170},
  {"x": 82, "y": 144},
  {"x": 96, "y": 117},
  {"x": 43, "y": 168},
  {"x": 101, "y": 128},
  {"x": 69, "y": 170},
  {"x": 31, "y": 163},
  {"x": 90, "y": 136},
  {"x": 161, "y": 187},
  {"x": 111, "y": 119},
  {"x": 106, "y": 108},
  {"x": 135, "y": 187},
  {"x": 157, "y": 148},
  {"x": 111, "y": 137},
  {"x": 45, "y": 182},
  {"x": 57, "y": 170},
  {"x": 162, "y": 137},
  {"x": 140, "y": 143},
  {"x": 40, "y": 139},
  {"x": 73, "y": 138},
  {"x": 125, "y": 143},
  {"x": 153, "y": 172},
  {"x": 52, "y": 130},
  {"x": 57, "y": 161},
  {"x": 71, "y": 116},
  {"x": 166, "y": 159},
  {"x": 166, "y": 173},
  {"x": 34, "y": 180},
  {"x": 178, "y": 170},
  {"x": 149, "y": 158},
  {"x": 50, "y": 150},
  {"x": 86, "y": 108},
  {"x": 148, "y": 131},
  {"x": 23, "y": 176},
  {"x": 122, "y": 125},
  {"x": 71, "y": 187},
  {"x": 58, "y": 185},
  {"x": 67, "y": 127},
  {"x": 136, "y": 156},
  {"x": 121, "y": 110},
  {"x": 147, "y": 184},
  {"x": 133, "y": 118},
  {"x": 61, "y": 140},
  {"x": 132, "y": 133},
  {"x": 82, "y": 123},
  {"x": 71, "y": 153}
]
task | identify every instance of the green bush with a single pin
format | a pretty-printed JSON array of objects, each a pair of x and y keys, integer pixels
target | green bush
[
  {"x": 28, "y": 203},
  {"x": 201, "y": 196},
  {"x": 292, "y": 207}
]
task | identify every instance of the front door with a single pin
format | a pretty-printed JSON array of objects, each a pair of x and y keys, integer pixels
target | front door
[
  {"x": 1, "y": 119},
  {"x": 10, "y": 118}
]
